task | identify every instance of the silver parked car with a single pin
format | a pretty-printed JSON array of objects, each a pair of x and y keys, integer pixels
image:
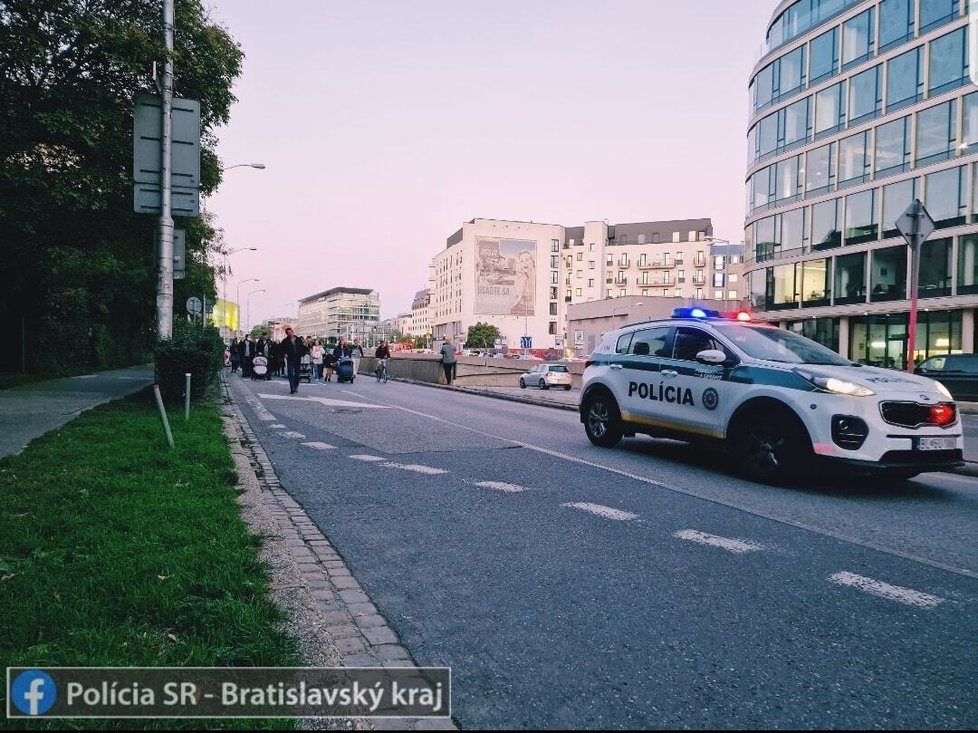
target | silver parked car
[{"x": 546, "y": 376}]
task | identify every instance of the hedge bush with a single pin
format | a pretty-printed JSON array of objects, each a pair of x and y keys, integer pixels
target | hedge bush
[{"x": 199, "y": 351}]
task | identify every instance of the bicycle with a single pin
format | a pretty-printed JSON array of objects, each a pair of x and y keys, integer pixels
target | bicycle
[{"x": 381, "y": 371}]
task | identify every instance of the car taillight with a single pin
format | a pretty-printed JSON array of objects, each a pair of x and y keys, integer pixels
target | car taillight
[{"x": 942, "y": 414}]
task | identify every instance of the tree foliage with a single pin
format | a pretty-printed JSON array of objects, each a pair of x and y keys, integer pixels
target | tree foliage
[
  {"x": 481, "y": 336},
  {"x": 82, "y": 262}
]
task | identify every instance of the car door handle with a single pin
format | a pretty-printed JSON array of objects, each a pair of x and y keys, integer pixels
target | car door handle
[
  {"x": 616, "y": 366},
  {"x": 669, "y": 373}
]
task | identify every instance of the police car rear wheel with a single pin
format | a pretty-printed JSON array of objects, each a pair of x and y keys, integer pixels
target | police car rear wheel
[
  {"x": 602, "y": 422},
  {"x": 768, "y": 451}
]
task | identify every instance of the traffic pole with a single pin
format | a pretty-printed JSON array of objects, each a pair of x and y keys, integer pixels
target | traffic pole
[
  {"x": 164, "y": 288},
  {"x": 915, "y": 245}
]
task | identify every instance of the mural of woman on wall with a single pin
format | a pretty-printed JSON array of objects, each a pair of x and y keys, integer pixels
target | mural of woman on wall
[{"x": 526, "y": 283}]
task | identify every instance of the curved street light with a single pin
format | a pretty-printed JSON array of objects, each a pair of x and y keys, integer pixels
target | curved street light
[
  {"x": 248, "y": 305},
  {"x": 259, "y": 166},
  {"x": 237, "y": 297},
  {"x": 224, "y": 275}
]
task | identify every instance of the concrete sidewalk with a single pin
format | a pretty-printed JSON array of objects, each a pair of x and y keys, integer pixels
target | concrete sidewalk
[{"x": 30, "y": 411}]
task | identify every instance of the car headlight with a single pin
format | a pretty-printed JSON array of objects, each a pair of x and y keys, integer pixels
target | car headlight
[
  {"x": 840, "y": 386},
  {"x": 943, "y": 390}
]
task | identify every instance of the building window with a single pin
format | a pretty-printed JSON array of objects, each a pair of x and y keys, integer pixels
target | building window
[
  {"x": 865, "y": 96},
  {"x": 935, "y": 269},
  {"x": 814, "y": 282},
  {"x": 782, "y": 291},
  {"x": 861, "y": 225},
  {"x": 850, "y": 279},
  {"x": 590, "y": 282},
  {"x": 968, "y": 265},
  {"x": 554, "y": 245},
  {"x": 555, "y": 278},
  {"x": 567, "y": 296},
  {"x": 655, "y": 237},
  {"x": 825, "y": 225},
  {"x": 896, "y": 198},
  {"x": 699, "y": 293},
  {"x": 858, "y": 38},
  {"x": 791, "y": 232},
  {"x": 854, "y": 159},
  {"x": 645, "y": 292},
  {"x": 717, "y": 294},
  {"x": 820, "y": 170},
  {"x": 675, "y": 235},
  {"x": 719, "y": 262},
  {"x": 623, "y": 292},
  {"x": 641, "y": 239},
  {"x": 905, "y": 80},
  {"x": 590, "y": 265},
  {"x": 718, "y": 280},
  {"x": 830, "y": 110},
  {"x": 825, "y": 56},
  {"x": 577, "y": 292},
  {"x": 937, "y": 12},
  {"x": 610, "y": 261},
  {"x": 948, "y": 62},
  {"x": 553, "y": 293},
  {"x": 896, "y": 23},
  {"x": 788, "y": 175},
  {"x": 888, "y": 276},
  {"x": 580, "y": 274},
  {"x": 945, "y": 197},
  {"x": 555, "y": 261},
  {"x": 936, "y": 133},
  {"x": 893, "y": 147},
  {"x": 580, "y": 256},
  {"x": 590, "y": 247},
  {"x": 732, "y": 278},
  {"x": 553, "y": 309}
]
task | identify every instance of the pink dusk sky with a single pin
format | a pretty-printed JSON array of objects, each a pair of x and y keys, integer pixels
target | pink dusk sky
[{"x": 384, "y": 125}]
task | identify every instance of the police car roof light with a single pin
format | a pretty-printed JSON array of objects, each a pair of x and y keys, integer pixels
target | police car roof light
[
  {"x": 743, "y": 316},
  {"x": 694, "y": 313}
]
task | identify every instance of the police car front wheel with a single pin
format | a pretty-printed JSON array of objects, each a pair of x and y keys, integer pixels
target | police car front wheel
[
  {"x": 602, "y": 421},
  {"x": 769, "y": 450}
]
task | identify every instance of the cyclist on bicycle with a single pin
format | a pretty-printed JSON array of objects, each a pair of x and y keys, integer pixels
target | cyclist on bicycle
[{"x": 383, "y": 353}]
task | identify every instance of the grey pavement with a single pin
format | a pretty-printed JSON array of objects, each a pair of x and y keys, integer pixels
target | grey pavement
[{"x": 30, "y": 411}]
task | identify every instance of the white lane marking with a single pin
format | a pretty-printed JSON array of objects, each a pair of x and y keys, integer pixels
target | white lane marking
[
  {"x": 725, "y": 543},
  {"x": 292, "y": 434},
  {"x": 136, "y": 379},
  {"x": 368, "y": 458},
  {"x": 842, "y": 536},
  {"x": 85, "y": 376},
  {"x": 887, "y": 591},
  {"x": 267, "y": 417},
  {"x": 319, "y": 446},
  {"x": 602, "y": 511},
  {"x": 324, "y": 401},
  {"x": 415, "y": 467},
  {"x": 277, "y": 426},
  {"x": 500, "y": 486}
]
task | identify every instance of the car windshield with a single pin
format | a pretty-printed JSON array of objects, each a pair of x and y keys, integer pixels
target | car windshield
[{"x": 776, "y": 344}]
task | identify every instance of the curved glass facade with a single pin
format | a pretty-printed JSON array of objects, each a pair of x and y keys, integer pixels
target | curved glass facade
[{"x": 867, "y": 105}]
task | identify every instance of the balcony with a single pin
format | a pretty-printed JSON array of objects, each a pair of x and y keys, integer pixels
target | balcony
[
  {"x": 621, "y": 281},
  {"x": 655, "y": 264},
  {"x": 655, "y": 281}
]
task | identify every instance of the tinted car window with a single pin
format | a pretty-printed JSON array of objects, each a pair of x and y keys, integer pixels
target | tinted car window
[
  {"x": 934, "y": 365},
  {"x": 966, "y": 363},
  {"x": 652, "y": 342},
  {"x": 623, "y": 341},
  {"x": 691, "y": 341},
  {"x": 558, "y": 369}
]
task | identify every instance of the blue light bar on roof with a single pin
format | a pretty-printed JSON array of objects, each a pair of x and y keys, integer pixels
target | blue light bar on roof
[{"x": 694, "y": 313}]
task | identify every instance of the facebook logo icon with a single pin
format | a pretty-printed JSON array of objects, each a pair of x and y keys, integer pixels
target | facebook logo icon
[{"x": 33, "y": 692}]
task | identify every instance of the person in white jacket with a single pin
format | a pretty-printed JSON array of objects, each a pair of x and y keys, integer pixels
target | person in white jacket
[{"x": 316, "y": 353}]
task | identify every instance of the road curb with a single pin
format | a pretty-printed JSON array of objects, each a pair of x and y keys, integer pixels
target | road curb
[
  {"x": 487, "y": 392},
  {"x": 346, "y": 622}
]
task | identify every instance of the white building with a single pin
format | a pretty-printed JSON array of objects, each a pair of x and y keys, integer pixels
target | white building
[
  {"x": 421, "y": 314},
  {"x": 521, "y": 276}
]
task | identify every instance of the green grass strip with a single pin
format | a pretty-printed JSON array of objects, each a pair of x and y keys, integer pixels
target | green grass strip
[{"x": 118, "y": 551}]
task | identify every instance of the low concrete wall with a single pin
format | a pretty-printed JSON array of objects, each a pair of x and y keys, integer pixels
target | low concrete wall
[{"x": 472, "y": 371}]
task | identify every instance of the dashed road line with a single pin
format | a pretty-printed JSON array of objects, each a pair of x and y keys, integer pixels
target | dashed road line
[
  {"x": 319, "y": 446},
  {"x": 292, "y": 434},
  {"x": 500, "y": 486},
  {"x": 367, "y": 458},
  {"x": 415, "y": 467},
  {"x": 737, "y": 547},
  {"x": 602, "y": 511},
  {"x": 277, "y": 426},
  {"x": 880, "y": 589},
  {"x": 325, "y": 401}
]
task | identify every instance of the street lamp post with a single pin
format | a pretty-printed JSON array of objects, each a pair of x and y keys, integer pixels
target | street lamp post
[
  {"x": 248, "y": 305},
  {"x": 224, "y": 275},
  {"x": 259, "y": 166},
  {"x": 237, "y": 297}
]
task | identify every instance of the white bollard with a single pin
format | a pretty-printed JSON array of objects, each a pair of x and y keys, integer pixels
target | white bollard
[
  {"x": 186, "y": 398},
  {"x": 166, "y": 423}
]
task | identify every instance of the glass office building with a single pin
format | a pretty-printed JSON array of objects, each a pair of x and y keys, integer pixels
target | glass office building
[{"x": 858, "y": 107}]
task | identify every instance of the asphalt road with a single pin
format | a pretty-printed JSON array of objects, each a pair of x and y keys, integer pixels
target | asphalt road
[{"x": 570, "y": 586}]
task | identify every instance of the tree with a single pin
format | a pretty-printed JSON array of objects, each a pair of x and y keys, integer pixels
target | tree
[
  {"x": 80, "y": 262},
  {"x": 481, "y": 336}
]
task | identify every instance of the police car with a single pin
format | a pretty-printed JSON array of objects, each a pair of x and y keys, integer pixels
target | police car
[{"x": 779, "y": 402}]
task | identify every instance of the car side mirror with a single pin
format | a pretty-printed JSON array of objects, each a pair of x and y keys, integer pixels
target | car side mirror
[{"x": 714, "y": 356}]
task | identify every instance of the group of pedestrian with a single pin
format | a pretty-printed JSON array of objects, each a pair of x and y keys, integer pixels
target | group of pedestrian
[{"x": 286, "y": 357}]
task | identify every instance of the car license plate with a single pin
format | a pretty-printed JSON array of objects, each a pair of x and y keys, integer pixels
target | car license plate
[{"x": 935, "y": 443}]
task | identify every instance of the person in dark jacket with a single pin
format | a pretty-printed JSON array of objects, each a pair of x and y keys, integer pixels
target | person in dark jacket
[{"x": 294, "y": 349}]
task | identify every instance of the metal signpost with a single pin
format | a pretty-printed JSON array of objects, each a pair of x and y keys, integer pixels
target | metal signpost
[{"x": 915, "y": 225}]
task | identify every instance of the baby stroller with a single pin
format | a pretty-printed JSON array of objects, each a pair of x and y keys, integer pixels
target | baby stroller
[
  {"x": 259, "y": 368},
  {"x": 344, "y": 370},
  {"x": 305, "y": 368}
]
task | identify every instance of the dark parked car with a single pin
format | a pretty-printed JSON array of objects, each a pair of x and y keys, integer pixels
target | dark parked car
[{"x": 957, "y": 372}]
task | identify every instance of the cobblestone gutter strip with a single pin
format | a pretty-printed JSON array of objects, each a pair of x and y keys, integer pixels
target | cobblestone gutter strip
[{"x": 328, "y": 611}]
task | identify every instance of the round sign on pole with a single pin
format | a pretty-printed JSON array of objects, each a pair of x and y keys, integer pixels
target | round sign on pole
[{"x": 194, "y": 306}]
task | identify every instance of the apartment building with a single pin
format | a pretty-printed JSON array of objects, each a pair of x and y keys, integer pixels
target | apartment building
[
  {"x": 522, "y": 276},
  {"x": 340, "y": 312}
]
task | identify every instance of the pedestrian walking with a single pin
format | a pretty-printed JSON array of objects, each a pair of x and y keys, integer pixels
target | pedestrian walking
[
  {"x": 448, "y": 360},
  {"x": 356, "y": 353},
  {"x": 235, "y": 350},
  {"x": 294, "y": 348},
  {"x": 317, "y": 352}
]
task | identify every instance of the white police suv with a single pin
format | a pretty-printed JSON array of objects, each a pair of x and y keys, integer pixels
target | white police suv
[{"x": 778, "y": 401}]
